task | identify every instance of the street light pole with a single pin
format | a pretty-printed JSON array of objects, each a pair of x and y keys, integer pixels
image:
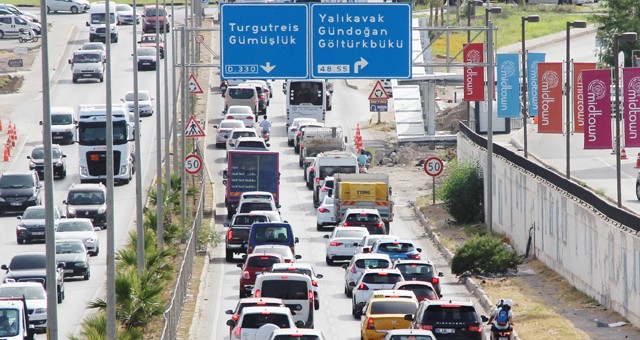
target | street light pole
[
  {"x": 525, "y": 115},
  {"x": 576, "y": 24},
  {"x": 489, "y": 179},
  {"x": 628, "y": 37}
]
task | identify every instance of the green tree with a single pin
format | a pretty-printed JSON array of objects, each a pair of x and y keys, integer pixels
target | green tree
[
  {"x": 619, "y": 16},
  {"x": 484, "y": 255},
  {"x": 156, "y": 260},
  {"x": 462, "y": 191}
]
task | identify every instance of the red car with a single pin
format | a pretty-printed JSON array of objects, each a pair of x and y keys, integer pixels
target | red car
[
  {"x": 254, "y": 264},
  {"x": 422, "y": 289},
  {"x": 149, "y": 40},
  {"x": 150, "y": 16}
]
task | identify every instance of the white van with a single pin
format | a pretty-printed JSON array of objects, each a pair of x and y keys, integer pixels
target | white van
[
  {"x": 330, "y": 163},
  {"x": 295, "y": 290},
  {"x": 63, "y": 125},
  {"x": 10, "y": 25},
  {"x": 98, "y": 19},
  {"x": 87, "y": 64}
]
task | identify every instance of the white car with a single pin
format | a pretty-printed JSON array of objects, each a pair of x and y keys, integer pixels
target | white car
[
  {"x": 241, "y": 112},
  {"x": 409, "y": 334},
  {"x": 125, "y": 15},
  {"x": 282, "y": 250},
  {"x": 145, "y": 102},
  {"x": 35, "y": 298},
  {"x": 364, "y": 246},
  {"x": 237, "y": 133},
  {"x": 73, "y": 6},
  {"x": 80, "y": 228},
  {"x": 326, "y": 189},
  {"x": 301, "y": 268},
  {"x": 293, "y": 129},
  {"x": 297, "y": 333},
  {"x": 324, "y": 214},
  {"x": 372, "y": 280},
  {"x": 223, "y": 130},
  {"x": 359, "y": 263},
  {"x": 340, "y": 243},
  {"x": 257, "y": 323}
]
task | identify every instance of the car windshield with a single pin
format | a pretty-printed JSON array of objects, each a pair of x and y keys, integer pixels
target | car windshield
[
  {"x": 263, "y": 261},
  {"x": 142, "y": 96},
  {"x": 305, "y": 92},
  {"x": 393, "y": 307},
  {"x": 151, "y": 12},
  {"x": 8, "y": 319},
  {"x": 285, "y": 289},
  {"x": 420, "y": 290},
  {"x": 382, "y": 278},
  {"x": 372, "y": 263},
  {"x": 29, "y": 292},
  {"x": 249, "y": 219},
  {"x": 252, "y": 144},
  {"x": 16, "y": 181},
  {"x": 254, "y": 321},
  {"x": 271, "y": 234},
  {"x": 146, "y": 52},
  {"x": 396, "y": 247},
  {"x": 231, "y": 124},
  {"x": 239, "y": 134},
  {"x": 87, "y": 58},
  {"x": 240, "y": 109},
  {"x": 123, "y": 8},
  {"x": 61, "y": 119},
  {"x": 38, "y": 153},
  {"x": 296, "y": 337},
  {"x": 69, "y": 248},
  {"x": 67, "y": 226},
  {"x": 351, "y": 233},
  {"x": 20, "y": 262},
  {"x": 86, "y": 198},
  {"x": 415, "y": 269},
  {"x": 241, "y": 93},
  {"x": 101, "y": 18},
  {"x": 411, "y": 337},
  {"x": 363, "y": 218},
  {"x": 293, "y": 270},
  {"x": 33, "y": 214},
  {"x": 332, "y": 170},
  {"x": 449, "y": 313},
  {"x": 93, "y": 46},
  {"x": 251, "y": 206}
]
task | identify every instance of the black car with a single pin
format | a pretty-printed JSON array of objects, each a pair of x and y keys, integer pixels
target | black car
[
  {"x": 32, "y": 267},
  {"x": 19, "y": 190},
  {"x": 57, "y": 159},
  {"x": 87, "y": 201},
  {"x": 32, "y": 224},
  {"x": 419, "y": 270},
  {"x": 75, "y": 257},
  {"x": 447, "y": 319},
  {"x": 238, "y": 233}
]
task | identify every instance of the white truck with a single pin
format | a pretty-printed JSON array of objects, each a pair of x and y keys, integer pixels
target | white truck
[
  {"x": 101, "y": 17},
  {"x": 330, "y": 163},
  {"x": 17, "y": 317},
  {"x": 308, "y": 98},
  {"x": 320, "y": 139},
  {"x": 87, "y": 64}
]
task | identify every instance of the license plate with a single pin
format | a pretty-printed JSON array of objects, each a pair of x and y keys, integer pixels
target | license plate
[
  {"x": 445, "y": 330},
  {"x": 333, "y": 219},
  {"x": 68, "y": 271},
  {"x": 16, "y": 203},
  {"x": 87, "y": 75},
  {"x": 503, "y": 338},
  {"x": 38, "y": 233},
  {"x": 57, "y": 137},
  {"x": 146, "y": 63}
]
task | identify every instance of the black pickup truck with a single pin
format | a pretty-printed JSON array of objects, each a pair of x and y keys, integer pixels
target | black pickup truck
[{"x": 238, "y": 232}]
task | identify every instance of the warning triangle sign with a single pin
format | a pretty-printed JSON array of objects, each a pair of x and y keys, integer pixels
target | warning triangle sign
[
  {"x": 193, "y": 129},
  {"x": 194, "y": 87},
  {"x": 378, "y": 92}
]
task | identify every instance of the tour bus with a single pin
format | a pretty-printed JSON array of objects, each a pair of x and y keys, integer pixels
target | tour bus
[
  {"x": 92, "y": 144},
  {"x": 308, "y": 98}
]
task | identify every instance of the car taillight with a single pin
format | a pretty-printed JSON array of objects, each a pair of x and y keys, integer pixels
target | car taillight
[
  {"x": 237, "y": 331},
  {"x": 335, "y": 243},
  {"x": 317, "y": 180},
  {"x": 370, "y": 324},
  {"x": 380, "y": 224},
  {"x": 248, "y": 117},
  {"x": 310, "y": 294},
  {"x": 312, "y": 169},
  {"x": 323, "y": 210},
  {"x": 229, "y": 117},
  {"x": 229, "y": 234},
  {"x": 426, "y": 327},
  {"x": 314, "y": 283},
  {"x": 477, "y": 329},
  {"x": 353, "y": 269},
  {"x": 324, "y": 189},
  {"x": 414, "y": 256},
  {"x": 257, "y": 294},
  {"x": 435, "y": 280},
  {"x": 298, "y": 134},
  {"x": 246, "y": 275},
  {"x": 219, "y": 131},
  {"x": 345, "y": 224},
  {"x": 363, "y": 286}
]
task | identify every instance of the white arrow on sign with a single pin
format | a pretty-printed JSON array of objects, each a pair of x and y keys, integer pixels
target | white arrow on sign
[
  {"x": 360, "y": 64},
  {"x": 268, "y": 68}
]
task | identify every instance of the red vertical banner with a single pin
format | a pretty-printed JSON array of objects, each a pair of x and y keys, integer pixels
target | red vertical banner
[
  {"x": 597, "y": 108},
  {"x": 474, "y": 75},
  {"x": 578, "y": 97},
  {"x": 631, "y": 101},
  {"x": 550, "y": 97}
]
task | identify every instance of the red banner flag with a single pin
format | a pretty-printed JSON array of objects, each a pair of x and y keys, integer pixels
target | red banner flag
[
  {"x": 474, "y": 76},
  {"x": 597, "y": 108},
  {"x": 578, "y": 97},
  {"x": 631, "y": 101},
  {"x": 550, "y": 97}
]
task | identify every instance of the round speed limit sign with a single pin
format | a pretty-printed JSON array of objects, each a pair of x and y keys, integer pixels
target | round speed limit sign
[
  {"x": 433, "y": 166},
  {"x": 192, "y": 164}
]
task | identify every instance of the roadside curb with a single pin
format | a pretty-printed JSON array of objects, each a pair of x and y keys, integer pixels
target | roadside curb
[
  {"x": 349, "y": 85},
  {"x": 473, "y": 287}
]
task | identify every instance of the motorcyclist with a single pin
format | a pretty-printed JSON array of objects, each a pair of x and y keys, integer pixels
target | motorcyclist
[
  {"x": 363, "y": 159},
  {"x": 497, "y": 319},
  {"x": 265, "y": 125}
]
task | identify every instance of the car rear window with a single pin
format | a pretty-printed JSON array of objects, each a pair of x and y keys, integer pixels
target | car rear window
[
  {"x": 351, "y": 233},
  {"x": 263, "y": 261},
  {"x": 363, "y": 218},
  {"x": 415, "y": 269},
  {"x": 304, "y": 271},
  {"x": 258, "y": 304},
  {"x": 251, "y": 206},
  {"x": 420, "y": 290},
  {"x": 249, "y": 219},
  {"x": 386, "y": 278},
  {"x": 258, "y": 320},
  {"x": 296, "y": 337},
  {"x": 411, "y": 337},
  {"x": 241, "y": 93},
  {"x": 372, "y": 263},
  {"x": 271, "y": 234},
  {"x": 449, "y": 313},
  {"x": 396, "y": 247},
  {"x": 332, "y": 170},
  {"x": 237, "y": 135},
  {"x": 328, "y": 184},
  {"x": 285, "y": 289},
  {"x": 393, "y": 307},
  {"x": 250, "y": 144},
  {"x": 231, "y": 124}
]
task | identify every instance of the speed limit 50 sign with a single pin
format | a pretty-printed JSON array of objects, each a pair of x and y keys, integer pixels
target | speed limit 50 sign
[
  {"x": 192, "y": 164},
  {"x": 433, "y": 166}
]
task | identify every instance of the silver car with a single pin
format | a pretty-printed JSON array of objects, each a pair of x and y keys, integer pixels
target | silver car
[
  {"x": 145, "y": 102},
  {"x": 82, "y": 229},
  {"x": 223, "y": 130}
]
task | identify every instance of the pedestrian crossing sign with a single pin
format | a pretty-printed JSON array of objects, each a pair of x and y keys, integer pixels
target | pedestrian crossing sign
[{"x": 193, "y": 129}]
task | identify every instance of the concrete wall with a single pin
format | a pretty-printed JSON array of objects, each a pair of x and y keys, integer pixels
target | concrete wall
[{"x": 597, "y": 257}]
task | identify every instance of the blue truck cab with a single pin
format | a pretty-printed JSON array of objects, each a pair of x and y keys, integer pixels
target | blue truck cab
[{"x": 271, "y": 233}]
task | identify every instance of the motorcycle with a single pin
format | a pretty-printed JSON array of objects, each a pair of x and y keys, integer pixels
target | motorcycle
[
  {"x": 27, "y": 35},
  {"x": 497, "y": 334},
  {"x": 265, "y": 135}
]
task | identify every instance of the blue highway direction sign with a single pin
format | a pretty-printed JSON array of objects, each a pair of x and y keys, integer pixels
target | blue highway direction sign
[
  {"x": 264, "y": 41},
  {"x": 361, "y": 40}
]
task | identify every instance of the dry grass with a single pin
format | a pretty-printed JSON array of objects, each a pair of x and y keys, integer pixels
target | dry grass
[{"x": 189, "y": 307}]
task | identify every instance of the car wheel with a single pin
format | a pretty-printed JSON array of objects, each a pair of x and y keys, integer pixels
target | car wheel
[
  {"x": 296, "y": 149},
  {"x": 316, "y": 304},
  {"x": 348, "y": 292},
  {"x": 95, "y": 253},
  {"x": 74, "y": 9},
  {"x": 87, "y": 276},
  {"x": 353, "y": 311},
  {"x": 1, "y": 34},
  {"x": 60, "y": 296},
  {"x": 319, "y": 227},
  {"x": 20, "y": 241},
  {"x": 290, "y": 142},
  {"x": 219, "y": 145},
  {"x": 229, "y": 255},
  {"x": 75, "y": 80},
  {"x": 638, "y": 191},
  {"x": 329, "y": 260},
  {"x": 48, "y": 9}
]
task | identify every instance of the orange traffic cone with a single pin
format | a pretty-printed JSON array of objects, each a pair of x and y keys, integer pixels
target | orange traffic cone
[
  {"x": 6, "y": 154},
  {"x": 623, "y": 154},
  {"x": 0, "y": 123},
  {"x": 15, "y": 132}
]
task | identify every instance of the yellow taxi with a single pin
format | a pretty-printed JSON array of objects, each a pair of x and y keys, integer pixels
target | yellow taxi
[{"x": 384, "y": 311}]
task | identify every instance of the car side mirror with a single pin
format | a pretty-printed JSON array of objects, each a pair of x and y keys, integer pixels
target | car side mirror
[
  {"x": 28, "y": 157},
  {"x": 419, "y": 250},
  {"x": 366, "y": 249},
  {"x": 338, "y": 220},
  {"x": 484, "y": 318},
  {"x": 64, "y": 156},
  {"x": 355, "y": 244},
  {"x": 298, "y": 257},
  {"x": 41, "y": 123},
  {"x": 224, "y": 182},
  {"x": 296, "y": 240},
  {"x": 326, "y": 236},
  {"x": 87, "y": 24},
  {"x": 60, "y": 265},
  {"x": 278, "y": 206},
  {"x": 225, "y": 224},
  {"x": 319, "y": 276},
  {"x": 300, "y": 324},
  {"x": 140, "y": 42},
  {"x": 4, "y": 266},
  {"x": 70, "y": 62},
  {"x": 352, "y": 284},
  {"x": 345, "y": 266},
  {"x": 96, "y": 229},
  {"x": 228, "y": 312},
  {"x": 239, "y": 265},
  {"x": 231, "y": 323},
  {"x": 65, "y": 202},
  {"x": 440, "y": 274},
  {"x": 408, "y": 317}
]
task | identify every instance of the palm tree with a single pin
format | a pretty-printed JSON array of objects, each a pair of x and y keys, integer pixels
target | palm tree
[
  {"x": 159, "y": 261},
  {"x": 95, "y": 328}
]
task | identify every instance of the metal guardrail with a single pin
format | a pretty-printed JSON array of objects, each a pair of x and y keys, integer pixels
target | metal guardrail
[{"x": 174, "y": 308}]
